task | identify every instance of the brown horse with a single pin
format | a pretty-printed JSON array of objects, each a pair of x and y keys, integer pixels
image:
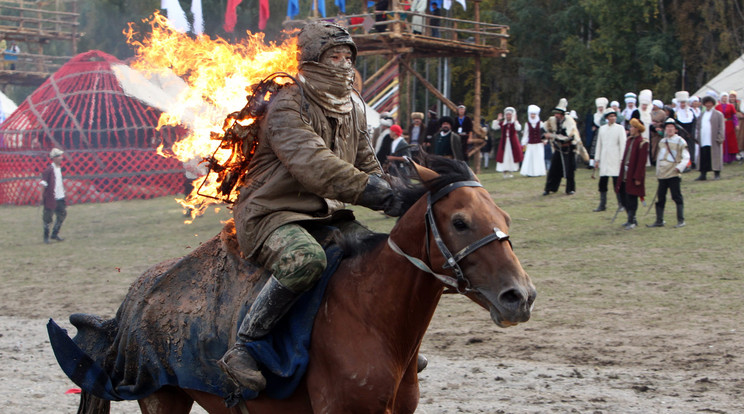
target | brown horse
[{"x": 379, "y": 303}]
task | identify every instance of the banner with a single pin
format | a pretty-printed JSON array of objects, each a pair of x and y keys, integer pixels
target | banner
[{"x": 263, "y": 14}]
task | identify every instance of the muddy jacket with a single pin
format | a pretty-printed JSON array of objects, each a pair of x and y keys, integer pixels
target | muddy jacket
[{"x": 298, "y": 172}]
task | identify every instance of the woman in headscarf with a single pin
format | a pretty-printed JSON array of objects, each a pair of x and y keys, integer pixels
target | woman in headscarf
[
  {"x": 533, "y": 143},
  {"x": 509, "y": 154}
]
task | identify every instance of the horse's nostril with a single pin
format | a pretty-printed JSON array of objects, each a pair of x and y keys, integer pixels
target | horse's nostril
[{"x": 511, "y": 297}]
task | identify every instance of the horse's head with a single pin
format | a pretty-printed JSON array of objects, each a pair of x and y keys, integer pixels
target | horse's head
[{"x": 468, "y": 246}]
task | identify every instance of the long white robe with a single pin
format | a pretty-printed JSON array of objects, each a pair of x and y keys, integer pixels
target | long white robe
[{"x": 533, "y": 164}]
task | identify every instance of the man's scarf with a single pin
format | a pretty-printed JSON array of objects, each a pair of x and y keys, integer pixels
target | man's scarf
[{"x": 328, "y": 86}]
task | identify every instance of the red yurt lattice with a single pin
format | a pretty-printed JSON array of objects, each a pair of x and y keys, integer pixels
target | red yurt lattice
[{"x": 109, "y": 139}]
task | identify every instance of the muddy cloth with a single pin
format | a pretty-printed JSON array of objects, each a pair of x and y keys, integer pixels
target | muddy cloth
[{"x": 177, "y": 320}]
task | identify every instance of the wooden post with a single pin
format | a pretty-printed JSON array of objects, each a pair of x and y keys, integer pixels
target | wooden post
[
  {"x": 451, "y": 105},
  {"x": 396, "y": 16}
]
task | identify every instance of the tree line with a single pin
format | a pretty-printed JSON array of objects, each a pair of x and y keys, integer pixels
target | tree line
[{"x": 577, "y": 49}]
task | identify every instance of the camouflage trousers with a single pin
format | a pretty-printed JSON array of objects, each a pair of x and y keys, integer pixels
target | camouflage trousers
[{"x": 295, "y": 257}]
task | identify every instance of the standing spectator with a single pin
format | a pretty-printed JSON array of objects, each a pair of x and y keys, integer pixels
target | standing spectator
[
  {"x": 630, "y": 106},
  {"x": 740, "y": 119},
  {"x": 432, "y": 128},
  {"x": 631, "y": 182},
  {"x": 509, "y": 153},
  {"x": 488, "y": 145},
  {"x": 656, "y": 129},
  {"x": 445, "y": 142},
  {"x": 563, "y": 134},
  {"x": 615, "y": 106},
  {"x": 709, "y": 134},
  {"x": 417, "y": 21},
  {"x": 416, "y": 133},
  {"x": 53, "y": 196},
  {"x": 598, "y": 120},
  {"x": 381, "y": 6},
  {"x": 685, "y": 117},
  {"x": 610, "y": 146},
  {"x": 533, "y": 164},
  {"x": 670, "y": 163},
  {"x": 434, "y": 21},
  {"x": 11, "y": 54},
  {"x": 695, "y": 106},
  {"x": 730, "y": 147},
  {"x": 382, "y": 131},
  {"x": 390, "y": 143},
  {"x": 464, "y": 127}
]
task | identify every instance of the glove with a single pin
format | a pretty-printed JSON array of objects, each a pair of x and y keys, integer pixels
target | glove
[{"x": 378, "y": 195}]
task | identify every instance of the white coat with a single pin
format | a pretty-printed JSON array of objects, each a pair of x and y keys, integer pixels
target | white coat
[{"x": 610, "y": 148}]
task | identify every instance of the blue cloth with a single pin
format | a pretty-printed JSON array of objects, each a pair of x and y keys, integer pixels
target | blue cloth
[
  {"x": 341, "y": 4},
  {"x": 321, "y": 8},
  {"x": 117, "y": 362},
  {"x": 293, "y": 8}
]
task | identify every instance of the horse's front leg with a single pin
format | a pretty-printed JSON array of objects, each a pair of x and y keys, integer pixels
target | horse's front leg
[{"x": 407, "y": 398}]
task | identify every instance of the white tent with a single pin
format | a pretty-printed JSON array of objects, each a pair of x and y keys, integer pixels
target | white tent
[
  {"x": 7, "y": 107},
  {"x": 730, "y": 79}
]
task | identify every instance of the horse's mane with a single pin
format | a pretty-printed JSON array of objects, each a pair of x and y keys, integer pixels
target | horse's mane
[
  {"x": 402, "y": 179},
  {"x": 449, "y": 170}
]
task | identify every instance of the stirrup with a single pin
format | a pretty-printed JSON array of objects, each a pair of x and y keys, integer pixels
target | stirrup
[{"x": 242, "y": 369}]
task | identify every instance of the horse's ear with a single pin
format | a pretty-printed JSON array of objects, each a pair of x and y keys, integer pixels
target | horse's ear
[
  {"x": 424, "y": 173},
  {"x": 473, "y": 176}
]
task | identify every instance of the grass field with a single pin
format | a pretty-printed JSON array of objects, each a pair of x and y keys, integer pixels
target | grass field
[{"x": 559, "y": 240}]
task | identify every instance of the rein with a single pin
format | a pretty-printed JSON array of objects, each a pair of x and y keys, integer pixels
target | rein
[{"x": 459, "y": 282}]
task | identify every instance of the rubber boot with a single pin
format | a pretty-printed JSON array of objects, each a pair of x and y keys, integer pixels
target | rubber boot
[
  {"x": 632, "y": 222},
  {"x": 46, "y": 234},
  {"x": 702, "y": 177},
  {"x": 717, "y": 175},
  {"x": 270, "y": 305},
  {"x": 602, "y": 201},
  {"x": 620, "y": 205},
  {"x": 55, "y": 231},
  {"x": 680, "y": 215},
  {"x": 659, "y": 218}
]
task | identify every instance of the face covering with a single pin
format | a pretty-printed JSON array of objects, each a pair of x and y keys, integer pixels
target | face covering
[{"x": 329, "y": 86}]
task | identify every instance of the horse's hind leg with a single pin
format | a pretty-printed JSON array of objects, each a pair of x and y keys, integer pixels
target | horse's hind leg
[{"x": 167, "y": 400}]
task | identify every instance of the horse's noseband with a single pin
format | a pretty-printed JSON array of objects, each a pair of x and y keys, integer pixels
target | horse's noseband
[{"x": 461, "y": 283}]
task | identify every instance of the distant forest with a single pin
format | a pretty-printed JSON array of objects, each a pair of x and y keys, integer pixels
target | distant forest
[{"x": 577, "y": 49}]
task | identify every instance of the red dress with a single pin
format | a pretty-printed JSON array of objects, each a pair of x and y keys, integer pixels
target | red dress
[
  {"x": 509, "y": 132},
  {"x": 730, "y": 146}
]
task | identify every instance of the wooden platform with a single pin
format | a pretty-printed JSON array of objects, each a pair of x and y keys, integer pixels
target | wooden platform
[{"x": 37, "y": 26}]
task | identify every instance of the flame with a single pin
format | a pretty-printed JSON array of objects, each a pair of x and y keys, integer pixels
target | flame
[{"x": 218, "y": 75}]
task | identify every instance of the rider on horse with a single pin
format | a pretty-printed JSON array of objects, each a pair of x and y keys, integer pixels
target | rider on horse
[{"x": 313, "y": 156}]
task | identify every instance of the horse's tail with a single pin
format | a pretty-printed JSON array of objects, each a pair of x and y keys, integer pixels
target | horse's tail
[{"x": 90, "y": 404}]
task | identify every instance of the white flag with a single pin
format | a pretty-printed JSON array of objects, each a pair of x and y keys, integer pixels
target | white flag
[
  {"x": 176, "y": 15},
  {"x": 196, "y": 10},
  {"x": 447, "y": 4}
]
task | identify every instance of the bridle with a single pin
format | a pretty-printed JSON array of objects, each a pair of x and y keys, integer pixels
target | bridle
[{"x": 459, "y": 282}]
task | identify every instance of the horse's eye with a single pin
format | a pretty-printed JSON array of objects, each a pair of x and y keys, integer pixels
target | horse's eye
[{"x": 460, "y": 224}]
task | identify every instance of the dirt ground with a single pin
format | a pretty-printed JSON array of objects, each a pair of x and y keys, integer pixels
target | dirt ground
[
  {"x": 658, "y": 331},
  {"x": 610, "y": 367}
]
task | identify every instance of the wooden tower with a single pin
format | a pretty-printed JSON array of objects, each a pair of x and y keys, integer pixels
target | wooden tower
[
  {"x": 34, "y": 25},
  {"x": 404, "y": 35}
]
